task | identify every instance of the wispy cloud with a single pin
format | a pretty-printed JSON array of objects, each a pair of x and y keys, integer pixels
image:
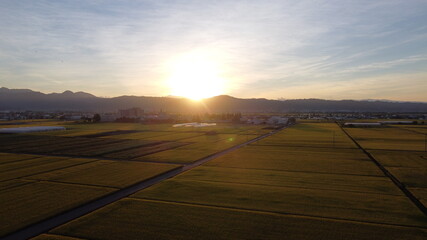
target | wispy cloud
[{"x": 264, "y": 47}]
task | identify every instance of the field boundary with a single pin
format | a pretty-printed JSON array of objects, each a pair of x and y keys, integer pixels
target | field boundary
[
  {"x": 300, "y": 171},
  {"x": 273, "y": 212},
  {"x": 69, "y": 215},
  {"x": 282, "y": 186},
  {"x": 96, "y": 158},
  {"x": 409, "y": 130},
  {"x": 55, "y": 169},
  {"x": 395, "y": 180}
]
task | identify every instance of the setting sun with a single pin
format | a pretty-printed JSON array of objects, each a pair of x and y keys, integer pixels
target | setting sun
[{"x": 195, "y": 76}]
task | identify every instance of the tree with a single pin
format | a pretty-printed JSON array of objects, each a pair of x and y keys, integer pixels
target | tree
[{"x": 96, "y": 118}]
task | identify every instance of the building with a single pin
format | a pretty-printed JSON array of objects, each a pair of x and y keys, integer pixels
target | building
[
  {"x": 398, "y": 122},
  {"x": 361, "y": 124},
  {"x": 131, "y": 113},
  {"x": 108, "y": 117},
  {"x": 276, "y": 120}
]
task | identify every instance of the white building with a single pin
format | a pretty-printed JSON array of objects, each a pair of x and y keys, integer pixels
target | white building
[
  {"x": 397, "y": 122},
  {"x": 277, "y": 120}
]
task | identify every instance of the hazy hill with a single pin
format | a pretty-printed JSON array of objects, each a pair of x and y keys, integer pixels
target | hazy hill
[{"x": 25, "y": 99}]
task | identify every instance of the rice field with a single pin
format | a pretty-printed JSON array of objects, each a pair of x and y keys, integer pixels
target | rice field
[
  {"x": 26, "y": 204},
  {"x": 415, "y": 128},
  {"x": 388, "y": 138},
  {"x": 349, "y": 161},
  {"x": 301, "y": 201},
  {"x": 142, "y": 219},
  {"x": 104, "y": 173},
  {"x": 144, "y": 150},
  {"x": 326, "y": 181},
  {"x": 30, "y": 167},
  {"x": 327, "y": 135},
  {"x": 401, "y": 153},
  {"x": 308, "y": 181},
  {"x": 208, "y": 145},
  {"x": 10, "y": 157}
]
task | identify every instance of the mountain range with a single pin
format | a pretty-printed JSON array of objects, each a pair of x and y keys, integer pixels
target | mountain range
[{"x": 26, "y": 99}]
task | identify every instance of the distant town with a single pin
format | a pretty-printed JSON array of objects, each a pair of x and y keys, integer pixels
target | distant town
[{"x": 138, "y": 115}]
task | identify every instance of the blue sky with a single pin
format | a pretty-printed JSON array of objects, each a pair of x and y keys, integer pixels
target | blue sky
[{"x": 272, "y": 49}]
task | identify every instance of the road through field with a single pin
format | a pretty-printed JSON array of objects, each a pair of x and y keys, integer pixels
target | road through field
[
  {"x": 394, "y": 179},
  {"x": 48, "y": 224}
]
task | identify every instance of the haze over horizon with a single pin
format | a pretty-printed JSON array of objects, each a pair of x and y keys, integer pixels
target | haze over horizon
[{"x": 246, "y": 49}]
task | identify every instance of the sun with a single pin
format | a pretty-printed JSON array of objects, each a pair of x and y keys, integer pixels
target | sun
[{"x": 195, "y": 76}]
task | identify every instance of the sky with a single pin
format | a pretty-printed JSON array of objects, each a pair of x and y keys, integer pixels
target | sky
[{"x": 274, "y": 49}]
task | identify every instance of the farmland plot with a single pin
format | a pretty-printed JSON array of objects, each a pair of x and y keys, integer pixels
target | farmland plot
[
  {"x": 321, "y": 203},
  {"x": 124, "y": 220},
  {"x": 416, "y": 128},
  {"x": 282, "y": 186},
  {"x": 99, "y": 149},
  {"x": 46, "y": 144},
  {"x": 145, "y": 150},
  {"x": 73, "y": 146},
  {"x": 38, "y": 165},
  {"x": 174, "y": 137},
  {"x": 13, "y": 183},
  {"x": 30, "y": 203},
  {"x": 310, "y": 135},
  {"x": 11, "y": 157},
  {"x": 106, "y": 173},
  {"x": 196, "y": 151},
  {"x": 327, "y": 181},
  {"x": 387, "y": 138},
  {"x": 140, "y": 135},
  {"x": 273, "y": 158},
  {"x": 401, "y": 158}
]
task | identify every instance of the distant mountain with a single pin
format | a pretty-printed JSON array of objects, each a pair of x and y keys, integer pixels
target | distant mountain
[
  {"x": 70, "y": 94},
  {"x": 7, "y": 90},
  {"x": 25, "y": 99}
]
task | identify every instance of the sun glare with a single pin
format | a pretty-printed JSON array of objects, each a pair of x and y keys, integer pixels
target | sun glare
[{"x": 196, "y": 77}]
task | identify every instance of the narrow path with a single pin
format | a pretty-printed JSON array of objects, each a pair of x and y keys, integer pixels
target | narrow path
[
  {"x": 395, "y": 180},
  {"x": 299, "y": 215},
  {"x": 62, "y": 218}
]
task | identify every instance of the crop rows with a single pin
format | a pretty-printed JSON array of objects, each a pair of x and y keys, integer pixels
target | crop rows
[
  {"x": 295, "y": 184},
  {"x": 36, "y": 188}
]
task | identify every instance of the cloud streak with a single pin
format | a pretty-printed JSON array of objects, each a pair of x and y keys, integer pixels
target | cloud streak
[{"x": 112, "y": 48}]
